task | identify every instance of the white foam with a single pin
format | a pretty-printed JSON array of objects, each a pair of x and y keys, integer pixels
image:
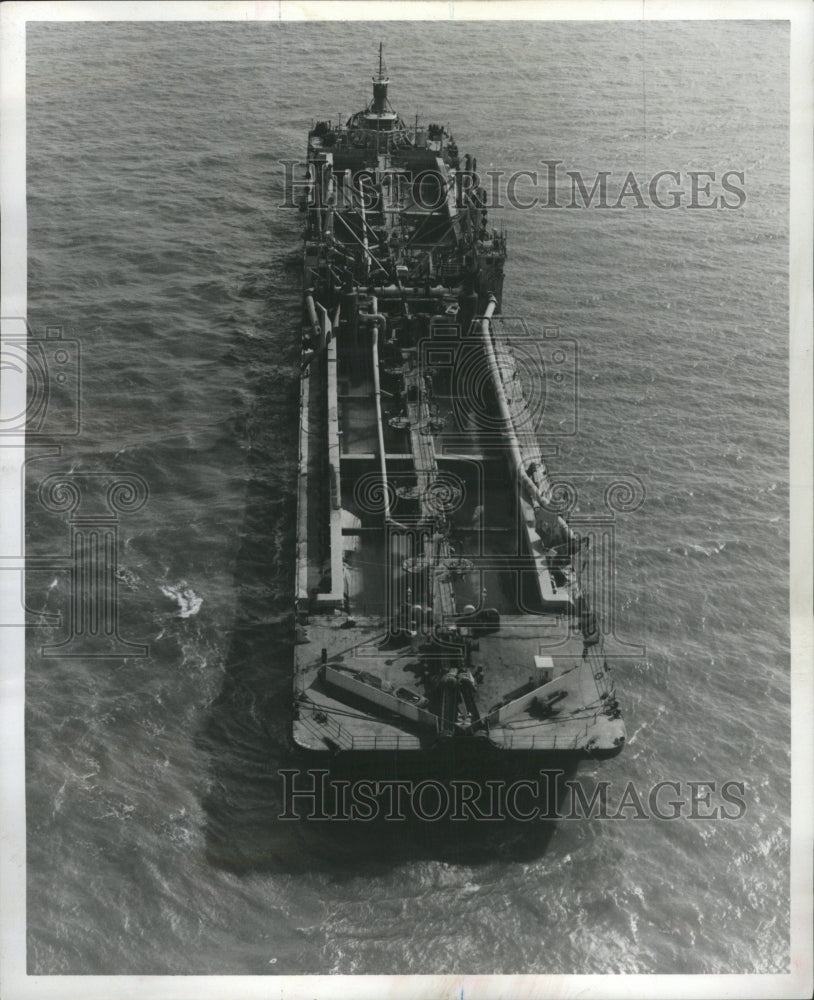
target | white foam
[{"x": 188, "y": 601}]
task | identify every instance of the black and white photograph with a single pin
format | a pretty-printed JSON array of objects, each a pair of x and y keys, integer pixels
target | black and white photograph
[{"x": 406, "y": 438}]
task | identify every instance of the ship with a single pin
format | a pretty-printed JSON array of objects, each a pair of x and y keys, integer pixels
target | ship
[{"x": 443, "y": 610}]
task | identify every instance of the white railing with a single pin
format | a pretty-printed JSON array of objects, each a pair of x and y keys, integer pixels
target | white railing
[
  {"x": 538, "y": 742},
  {"x": 384, "y": 742}
]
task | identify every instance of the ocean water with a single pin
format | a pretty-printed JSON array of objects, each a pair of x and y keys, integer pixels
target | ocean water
[{"x": 156, "y": 239}]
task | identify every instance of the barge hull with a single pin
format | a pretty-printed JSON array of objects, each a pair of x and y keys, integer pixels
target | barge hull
[{"x": 444, "y": 617}]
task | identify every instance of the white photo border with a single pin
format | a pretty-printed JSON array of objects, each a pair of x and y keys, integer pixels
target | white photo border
[{"x": 15, "y": 983}]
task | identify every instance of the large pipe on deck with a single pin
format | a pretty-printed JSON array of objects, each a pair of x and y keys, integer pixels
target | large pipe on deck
[
  {"x": 377, "y": 391},
  {"x": 375, "y": 318},
  {"x": 310, "y": 305},
  {"x": 468, "y": 310},
  {"x": 324, "y": 326},
  {"x": 365, "y": 243},
  {"x": 514, "y": 446}
]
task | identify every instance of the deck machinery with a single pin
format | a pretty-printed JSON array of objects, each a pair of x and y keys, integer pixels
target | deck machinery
[{"x": 443, "y": 604}]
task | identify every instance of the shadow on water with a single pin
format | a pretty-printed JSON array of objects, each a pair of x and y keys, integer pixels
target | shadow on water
[{"x": 246, "y": 737}]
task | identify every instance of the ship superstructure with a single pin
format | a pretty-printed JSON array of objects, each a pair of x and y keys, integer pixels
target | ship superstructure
[{"x": 442, "y": 598}]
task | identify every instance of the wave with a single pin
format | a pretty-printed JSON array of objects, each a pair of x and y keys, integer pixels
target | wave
[{"x": 189, "y": 603}]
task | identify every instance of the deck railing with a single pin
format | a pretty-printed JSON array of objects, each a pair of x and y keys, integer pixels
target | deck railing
[
  {"x": 329, "y": 727},
  {"x": 383, "y": 742},
  {"x": 538, "y": 742},
  {"x": 389, "y": 741},
  {"x": 334, "y": 731}
]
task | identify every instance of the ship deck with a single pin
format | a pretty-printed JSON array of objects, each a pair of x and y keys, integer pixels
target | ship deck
[
  {"x": 537, "y": 654},
  {"x": 330, "y": 718},
  {"x": 441, "y": 594}
]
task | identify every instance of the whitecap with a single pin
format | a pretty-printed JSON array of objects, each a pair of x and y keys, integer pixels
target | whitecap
[{"x": 188, "y": 601}]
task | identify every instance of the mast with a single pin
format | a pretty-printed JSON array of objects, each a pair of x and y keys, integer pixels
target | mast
[{"x": 380, "y": 82}]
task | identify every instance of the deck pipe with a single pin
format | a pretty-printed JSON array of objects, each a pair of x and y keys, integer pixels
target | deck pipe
[
  {"x": 324, "y": 326},
  {"x": 326, "y": 186},
  {"x": 376, "y": 317},
  {"x": 503, "y": 406},
  {"x": 517, "y": 458},
  {"x": 365, "y": 243},
  {"x": 467, "y": 312},
  {"x": 312, "y": 315}
]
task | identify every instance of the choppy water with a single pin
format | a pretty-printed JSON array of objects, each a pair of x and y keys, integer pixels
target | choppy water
[{"x": 155, "y": 237}]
